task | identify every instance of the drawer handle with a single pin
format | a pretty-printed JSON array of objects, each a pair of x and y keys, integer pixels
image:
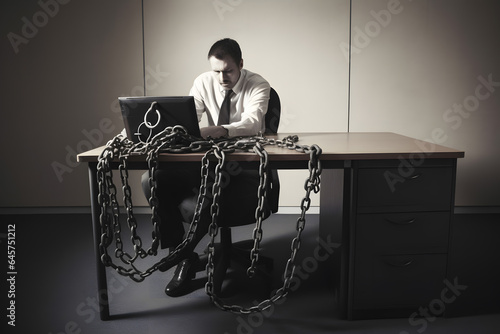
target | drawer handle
[
  {"x": 399, "y": 264},
  {"x": 416, "y": 176},
  {"x": 405, "y": 222}
]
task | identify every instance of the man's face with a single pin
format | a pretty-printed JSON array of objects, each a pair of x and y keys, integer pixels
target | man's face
[{"x": 226, "y": 71}]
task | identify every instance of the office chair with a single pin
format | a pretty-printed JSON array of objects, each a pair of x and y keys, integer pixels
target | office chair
[
  {"x": 228, "y": 252},
  {"x": 241, "y": 255}
]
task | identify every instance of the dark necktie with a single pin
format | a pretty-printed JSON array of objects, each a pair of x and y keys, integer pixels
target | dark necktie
[{"x": 225, "y": 109}]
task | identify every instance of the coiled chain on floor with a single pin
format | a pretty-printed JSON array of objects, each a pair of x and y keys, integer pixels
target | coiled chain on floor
[{"x": 176, "y": 140}]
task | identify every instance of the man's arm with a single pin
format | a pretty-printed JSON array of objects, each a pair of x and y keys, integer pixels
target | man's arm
[
  {"x": 214, "y": 132},
  {"x": 196, "y": 92},
  {"x": 255, "y": 104}
]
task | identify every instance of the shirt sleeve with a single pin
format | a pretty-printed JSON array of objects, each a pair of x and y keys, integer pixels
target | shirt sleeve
[
  {"x": 197, "y": 91},
  {"x": 255, "y": 102}
]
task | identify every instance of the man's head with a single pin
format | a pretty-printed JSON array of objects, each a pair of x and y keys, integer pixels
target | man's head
[{"x": 226, "y": 62}]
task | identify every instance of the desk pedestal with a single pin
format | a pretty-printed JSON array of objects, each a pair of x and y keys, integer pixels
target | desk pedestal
[{"x": 393, "y": 221}]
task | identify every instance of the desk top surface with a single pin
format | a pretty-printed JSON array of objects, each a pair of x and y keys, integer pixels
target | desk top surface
[{"x": 334, "y": 145}]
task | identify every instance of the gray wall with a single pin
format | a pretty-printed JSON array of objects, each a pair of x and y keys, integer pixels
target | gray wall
[
  {"x": 418, "y": 75},
  {"x": 57, "y": 90},
  {"x": 417, "y": 68}
]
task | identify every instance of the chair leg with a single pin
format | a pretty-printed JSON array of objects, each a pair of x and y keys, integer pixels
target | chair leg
[
  {"x": 226, "y": 252},
  {"x": 223, "y": 260}
]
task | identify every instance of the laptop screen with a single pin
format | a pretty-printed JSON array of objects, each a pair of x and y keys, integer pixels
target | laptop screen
[{"x": 146, "y": 116}]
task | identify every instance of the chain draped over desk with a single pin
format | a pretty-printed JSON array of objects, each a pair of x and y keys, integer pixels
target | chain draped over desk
[{"x": 176, "y": 140}]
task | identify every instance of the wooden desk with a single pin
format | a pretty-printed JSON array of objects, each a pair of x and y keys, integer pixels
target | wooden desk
[{"x": 386, "y": 198}]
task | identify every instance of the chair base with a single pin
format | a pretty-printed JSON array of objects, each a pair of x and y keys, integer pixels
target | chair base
[{"x": 229, "y": 255}]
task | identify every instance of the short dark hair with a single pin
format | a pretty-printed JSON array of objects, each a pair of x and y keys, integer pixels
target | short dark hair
[{"x": 226, "y": 47}]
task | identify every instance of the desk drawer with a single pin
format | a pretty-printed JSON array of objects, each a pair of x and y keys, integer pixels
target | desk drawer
[
  {"x": 397, "y": 233},
  {"x": 397, "y": 281},
  {"x": 386, "y": 190}
]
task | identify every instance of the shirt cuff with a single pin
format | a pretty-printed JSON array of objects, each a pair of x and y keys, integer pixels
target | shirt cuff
[{"x": 230, "y": 130}]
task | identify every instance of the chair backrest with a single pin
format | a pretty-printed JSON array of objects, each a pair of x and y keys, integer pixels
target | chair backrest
[
  {"x": 273, "y": 114},
  {"x": 272, "y": 123}
]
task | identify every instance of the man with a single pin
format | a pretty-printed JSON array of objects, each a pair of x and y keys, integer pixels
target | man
[
  {"x": 249, "y": 97},
  {"x": 235, "y": 101}
]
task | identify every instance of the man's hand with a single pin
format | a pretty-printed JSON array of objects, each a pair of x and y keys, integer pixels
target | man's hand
[{"x": 214, "y": 132}]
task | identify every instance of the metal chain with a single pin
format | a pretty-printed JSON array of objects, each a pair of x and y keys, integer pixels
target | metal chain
[
  {"x": 311, "y": 185},
  {"x": 176, "y": 140},
  {"x": 121, "y": 148},
  {"x": 259, "y": 211}
]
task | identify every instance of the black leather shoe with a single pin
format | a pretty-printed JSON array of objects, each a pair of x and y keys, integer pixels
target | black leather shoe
[{"x": 185, "y": 271}]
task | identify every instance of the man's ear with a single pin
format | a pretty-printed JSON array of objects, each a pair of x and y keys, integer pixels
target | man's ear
[{"x": 241, "y": 64}]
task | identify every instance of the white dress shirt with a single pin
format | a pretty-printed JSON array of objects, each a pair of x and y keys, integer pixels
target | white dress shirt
[{"x": 248, "y": 102}]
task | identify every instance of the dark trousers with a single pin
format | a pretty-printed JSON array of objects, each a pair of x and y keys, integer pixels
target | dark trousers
[{"x": 177, "y": 192}]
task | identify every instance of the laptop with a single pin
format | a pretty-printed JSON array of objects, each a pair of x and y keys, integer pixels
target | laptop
[{"x": 146, "y": 116}]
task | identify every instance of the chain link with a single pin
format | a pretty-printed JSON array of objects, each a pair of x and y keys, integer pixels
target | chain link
[{"x": 176, "y": 140}]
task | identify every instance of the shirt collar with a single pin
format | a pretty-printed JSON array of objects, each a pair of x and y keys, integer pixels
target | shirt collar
[{"x": 239, "y": 85}]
